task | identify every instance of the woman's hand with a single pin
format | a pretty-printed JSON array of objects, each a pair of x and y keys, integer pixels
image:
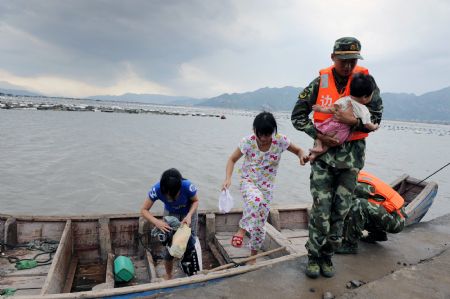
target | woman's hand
[
  {"x": 187, "y": 220},
  {"x": 162, "y": 225},
  {"x": 226, "y": 184}
]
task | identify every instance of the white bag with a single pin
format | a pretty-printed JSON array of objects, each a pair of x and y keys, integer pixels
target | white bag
[
  {"x": 179, "y": 241},
  {"x": 225, "y": 201}
]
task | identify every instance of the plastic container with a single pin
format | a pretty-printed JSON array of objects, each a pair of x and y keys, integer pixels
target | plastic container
[{"x": 123, "y": 269}]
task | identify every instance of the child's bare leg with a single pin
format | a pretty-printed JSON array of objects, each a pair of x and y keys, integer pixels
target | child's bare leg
[
  {"x": 317, "y": 146},
  {"x": 313, "y": 153},
  {"x": 252, "y": 253}
]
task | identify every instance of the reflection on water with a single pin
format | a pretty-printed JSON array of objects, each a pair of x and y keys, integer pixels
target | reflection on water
[{"x": 57, "y": 162}]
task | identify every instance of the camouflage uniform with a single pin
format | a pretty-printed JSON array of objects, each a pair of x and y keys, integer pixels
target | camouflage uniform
[
  {"x": 365, "y": 215},
  {"x": 334, "y": 173}
]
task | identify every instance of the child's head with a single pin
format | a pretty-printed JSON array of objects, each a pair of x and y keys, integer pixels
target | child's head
[
  {"x": 362, "y": 87},
  {"x": 264, "y": 124},
  {"x": 170, "y": 183}
]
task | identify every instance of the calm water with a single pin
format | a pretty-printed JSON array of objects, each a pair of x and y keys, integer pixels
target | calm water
[{"x": 84, "y": 163}]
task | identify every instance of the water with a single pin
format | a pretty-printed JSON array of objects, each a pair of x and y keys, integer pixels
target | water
[{"x": 56, "y": 162}]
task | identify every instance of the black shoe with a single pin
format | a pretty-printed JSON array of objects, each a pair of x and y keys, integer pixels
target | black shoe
[
  {"x": 347, "y": 248},
  {"x": 375, "y": 236}
]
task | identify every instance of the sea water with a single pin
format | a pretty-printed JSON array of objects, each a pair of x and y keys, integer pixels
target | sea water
[{"x": 58, "y": 162}]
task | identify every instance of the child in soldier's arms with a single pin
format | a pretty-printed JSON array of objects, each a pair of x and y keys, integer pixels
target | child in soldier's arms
[{"x": 361, "y": 91}]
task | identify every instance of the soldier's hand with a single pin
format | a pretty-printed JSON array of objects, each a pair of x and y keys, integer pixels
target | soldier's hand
[{"x": 346, "y": 116}]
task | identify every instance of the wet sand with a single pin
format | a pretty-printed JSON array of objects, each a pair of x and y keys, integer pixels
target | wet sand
[{"x": 412, "y": 264}]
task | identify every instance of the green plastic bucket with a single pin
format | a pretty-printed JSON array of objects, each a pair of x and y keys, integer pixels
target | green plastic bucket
[{"x": 123, "y": 269}]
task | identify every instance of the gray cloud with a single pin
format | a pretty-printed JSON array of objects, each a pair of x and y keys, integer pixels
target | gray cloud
[{"x": 203, "y": 48}]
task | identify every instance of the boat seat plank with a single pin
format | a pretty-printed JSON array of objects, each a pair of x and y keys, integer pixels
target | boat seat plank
[
  {"x": 231, "y": 253},
  {"x": 295, "y": 233},
  {"x": 23, "y": 282}
]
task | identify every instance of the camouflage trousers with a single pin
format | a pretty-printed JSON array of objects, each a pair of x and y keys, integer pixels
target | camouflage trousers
[
  {"x": 332, "y": 192},
  {"x": 365, "y": 215}
]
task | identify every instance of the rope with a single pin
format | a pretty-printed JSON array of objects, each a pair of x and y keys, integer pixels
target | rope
[{"x": 416, "y": 184}]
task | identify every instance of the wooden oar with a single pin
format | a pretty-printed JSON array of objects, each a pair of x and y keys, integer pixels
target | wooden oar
[{"x": 245, "y": 260}]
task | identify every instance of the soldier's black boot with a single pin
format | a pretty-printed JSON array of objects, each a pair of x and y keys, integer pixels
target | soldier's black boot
[
  {"x": 375, "y": 236},
  {"x": 326, "y": 266},
  {"x": 312, "y": 268},
  {"x": 347, "y": 248}
]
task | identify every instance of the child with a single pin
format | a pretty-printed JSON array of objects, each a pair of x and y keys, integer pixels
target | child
[
  {"x": 361, "y": 90},
  {"x": 180, "y": 200},
  {"x": 262, "y": 151}
]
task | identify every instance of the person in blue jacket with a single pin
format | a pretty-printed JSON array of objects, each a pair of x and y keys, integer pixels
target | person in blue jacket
[{"x": 180, "y": 200}]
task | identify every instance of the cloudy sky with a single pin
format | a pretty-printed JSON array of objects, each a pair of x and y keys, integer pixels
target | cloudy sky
[{"x": 206, "y": 48}]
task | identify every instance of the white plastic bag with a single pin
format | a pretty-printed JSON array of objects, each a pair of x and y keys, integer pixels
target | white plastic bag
[
  {"x": 179, "y": 241},
  {"x": 226, "y": 202}
]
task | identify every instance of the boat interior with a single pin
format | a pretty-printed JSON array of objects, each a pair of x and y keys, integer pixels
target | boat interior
[{"x": 76, "y": 254}]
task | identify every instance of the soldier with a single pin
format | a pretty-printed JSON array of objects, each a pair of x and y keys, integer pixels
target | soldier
[
  {"x": 333, "y": 174},
  {"x": 377, "y": 208}
]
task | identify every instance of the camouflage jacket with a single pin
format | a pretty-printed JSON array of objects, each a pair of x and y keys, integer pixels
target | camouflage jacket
[{"x": 349, "y": 154}]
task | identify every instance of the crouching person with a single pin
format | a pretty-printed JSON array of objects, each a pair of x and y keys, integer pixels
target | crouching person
[
  {"x": 376, "y": 208},
  {"x": 180, "y": 200}
]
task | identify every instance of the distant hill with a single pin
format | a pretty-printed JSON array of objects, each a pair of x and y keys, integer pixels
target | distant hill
[
  {"x": 149, "y": 99},
  {"x": 265, "y": 98},
  {"x": 430, "y": 107}
]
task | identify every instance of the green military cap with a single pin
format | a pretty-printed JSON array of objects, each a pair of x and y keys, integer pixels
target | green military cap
[{"x": 347, "y": 48}]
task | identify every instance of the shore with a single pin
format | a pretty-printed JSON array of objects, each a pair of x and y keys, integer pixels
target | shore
[
  {"x": 27, "y": 105},
  {"x": 412, "y": 264}
]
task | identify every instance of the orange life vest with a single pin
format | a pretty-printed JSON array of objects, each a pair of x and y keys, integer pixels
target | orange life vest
[
  {"x": 393, "y": 201},
  {"x": 328, "y": 94}
]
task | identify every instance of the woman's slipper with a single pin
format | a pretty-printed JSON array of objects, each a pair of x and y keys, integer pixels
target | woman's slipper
[{"x": 237, "y": 241}]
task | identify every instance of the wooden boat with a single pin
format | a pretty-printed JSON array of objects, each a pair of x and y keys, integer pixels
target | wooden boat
[
  {"x": 82, "y": 265},
  {"x": 419, "y": 196}
]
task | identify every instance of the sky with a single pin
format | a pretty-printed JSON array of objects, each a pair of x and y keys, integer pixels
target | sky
[{"x": 81, "y": 48}]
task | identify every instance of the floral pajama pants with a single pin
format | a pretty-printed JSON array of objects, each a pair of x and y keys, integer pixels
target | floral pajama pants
[{"x": 255, "y": 212}]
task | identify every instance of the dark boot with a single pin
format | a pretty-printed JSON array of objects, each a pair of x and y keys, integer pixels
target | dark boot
[
  {"x": 375, "y": 236},
  {"x": 348, "y": 248},
  {"x": 326, "y": 266},
  {"x": 313, "y": 268}
]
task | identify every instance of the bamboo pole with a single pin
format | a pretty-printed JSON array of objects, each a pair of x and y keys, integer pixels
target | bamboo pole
[{"x": 245, "y": 260}]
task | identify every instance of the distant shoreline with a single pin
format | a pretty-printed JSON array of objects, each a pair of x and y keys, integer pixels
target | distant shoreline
[{"x": 52, "y": 103}]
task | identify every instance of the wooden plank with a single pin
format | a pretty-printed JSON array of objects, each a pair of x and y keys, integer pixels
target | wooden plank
[
  {"x": 298, "y": 241},
  {"x": 104, "y": 238},
  {"x": 143, "y": 230},
  {"x": 295, "y": 233},
  {"x": 229, "y": 252},
  {"x": 278, "y": 239},
  {"x": 56, "y": 277},
  {"x": 70, "y": 275},
  {"x": 109, "y": 276},
  {"x": 217, "y": 255},
  {"x": 151, "y": 267},
  {"x": 11, "y": 232},
  {"x": 23, "y": 282},
  {"x": 274, "y": 219},
  {"x": 210, "y": 226},
  {"x": 254, "y": 257},
  {"x": 2, "y": 231}
]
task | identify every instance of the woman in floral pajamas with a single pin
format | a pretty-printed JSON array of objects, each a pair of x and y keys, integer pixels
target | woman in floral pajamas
[{"x": 262, "y": 152}]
